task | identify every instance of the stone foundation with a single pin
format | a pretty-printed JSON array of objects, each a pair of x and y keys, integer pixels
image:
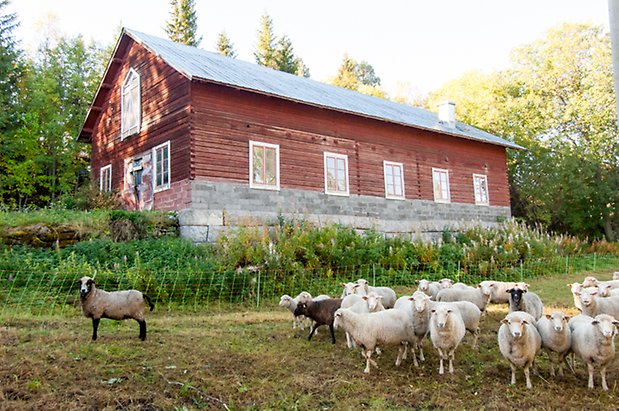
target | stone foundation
[{"x": 220, "y": 207}]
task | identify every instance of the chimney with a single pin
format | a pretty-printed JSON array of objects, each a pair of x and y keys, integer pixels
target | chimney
[{"x": 447, "y": 113}]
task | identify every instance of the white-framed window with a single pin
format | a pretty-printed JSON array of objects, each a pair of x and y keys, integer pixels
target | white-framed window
[
  {"x": 105, "y": 178},
  {"x": 440, "y": 182},
  {"x": 394, "y": 180},
  {"x": 480, "y": 186},
  {"x": 130, "y": 105},
  {"x": 336, "y": 174},
  {"x": 161, "y": 167},
  {"x": 263, "y": 165}
]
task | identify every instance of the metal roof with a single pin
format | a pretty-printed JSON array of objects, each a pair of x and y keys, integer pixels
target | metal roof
[{"x": 196, "y": 63}]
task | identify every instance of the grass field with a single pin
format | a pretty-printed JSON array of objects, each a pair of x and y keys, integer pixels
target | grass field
[{"x": 250, "y": 359}]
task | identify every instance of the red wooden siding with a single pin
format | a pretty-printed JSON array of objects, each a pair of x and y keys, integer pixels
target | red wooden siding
[
  {"x": 225, "y": 119},
  {"x": 165, "y": 95}
]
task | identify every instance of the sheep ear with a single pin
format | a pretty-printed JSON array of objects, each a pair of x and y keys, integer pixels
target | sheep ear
[
  {"x": 567, "y": 318},
  {"x": 548, "y": 316},
  {"x": 525, "y": 322},
  {"x": 411, "y": 298},
  {"x": 504, "y": 320},
  {"x": 593, "y": 292},
  {"x": 595, "y": 322},
  {"x": 365, "y": 297},
  {"x": 433, "y": 311},
  {"x": 509, "y": 290}
]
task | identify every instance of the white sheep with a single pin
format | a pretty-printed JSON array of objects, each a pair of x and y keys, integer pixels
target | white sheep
[
  {"x": 522, "y": 300},
  {"x": 606, "y": 288},
  {"x": 374, "y": 302},
  {"x": 463, "y": 286},
  {"x": 576, "y": 288},
  {"x": 387, "y": 294},
  {"x": 445, "y": 283},
  {"x": 616, "y": 275},
  {"x": 430, "y": 288},
  {"x": 357, "y": 304},
  {"x": 415, "y": 320},
  {"x": 497, "y": 290},
  {"x": 474, "y": 295},
  {"x": 115, "y": 305},
  {"x": 593, "y": 341},
  {"x": 446, "y": 332},
  {"x": 593, "y": 305},
  {"x": 519, "y": 342},
  {"x": 352, "y": 288},
  {"x": 590, "y": 281},
  {"x": 376, "y": 330},
  {"x": 556, "y": 338}
]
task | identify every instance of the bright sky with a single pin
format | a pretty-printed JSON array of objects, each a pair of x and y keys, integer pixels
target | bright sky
[{"x": 414, "y": 46}]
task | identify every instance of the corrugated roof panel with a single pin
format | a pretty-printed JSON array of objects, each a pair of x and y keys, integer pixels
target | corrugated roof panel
[{"x": 201, "y": 64}]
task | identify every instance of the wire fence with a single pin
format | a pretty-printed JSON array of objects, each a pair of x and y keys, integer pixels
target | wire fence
[{"x": 55, "y": 292}]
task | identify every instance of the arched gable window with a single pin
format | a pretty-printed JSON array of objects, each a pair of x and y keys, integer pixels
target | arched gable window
[{"x": 130, "y": 105}]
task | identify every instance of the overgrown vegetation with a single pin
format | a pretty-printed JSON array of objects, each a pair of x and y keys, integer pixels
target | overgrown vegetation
[{"x": 258, "y": 264}]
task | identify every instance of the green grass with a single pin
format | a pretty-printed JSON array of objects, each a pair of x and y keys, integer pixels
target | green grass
[{"x": 251, "y": 359}]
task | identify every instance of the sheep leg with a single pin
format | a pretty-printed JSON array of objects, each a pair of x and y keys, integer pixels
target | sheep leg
[
  {"x": 603, "y": 374},
  {"x": 332, "y": 334},
  {"x": 367, "y": 354},
  {"x": 401, "y": 355},
  {"x": 95, "y": 326},
  {"x": 420, "y": 347},
  {"x": 441, "y": 370},
  {"x": 312, "y": 332},
  {"x": 513, "y": 367},
  {"x": 405, "y": 345},
  {"x": 590, "y": 368},
  {"x": 349, "y": 341},
  {"x": 527, "y": 376},
  {"x": 142, "y": 329},
  {"x": 451, "y": 362},
  {"x": 475, "y": 337},
  {"x": 415, "y": 363}
]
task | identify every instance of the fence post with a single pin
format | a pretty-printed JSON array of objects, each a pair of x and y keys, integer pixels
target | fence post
[
  {"x": 373, "y": 274},
  {"x": 459, "y": 279},
  {"x": 567, "y": 264},
  {"x": 258, "y": 293},
  {"x": 594, "y": 258},
  {"x": 521, "y": 273}
]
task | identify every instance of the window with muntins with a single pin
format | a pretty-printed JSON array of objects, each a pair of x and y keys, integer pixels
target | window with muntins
[
  {"x": 130, "y": 105},
  {"x": 336, "y": 174},
  {"x": 394, "y": 180},
  {"x": 480, "y": 186},
  {"x": 105, "y": 178},
  {"x": 161, "y": 167},
  {"x": 440, "y": 181},
  {"x": 263, "y": 165}
]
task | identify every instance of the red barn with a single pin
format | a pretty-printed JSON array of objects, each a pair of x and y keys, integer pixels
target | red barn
[{"x": 229, "y": 143}]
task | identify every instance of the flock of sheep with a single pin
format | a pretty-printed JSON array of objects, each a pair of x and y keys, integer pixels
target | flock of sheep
[{"x": 374, "y": 318}]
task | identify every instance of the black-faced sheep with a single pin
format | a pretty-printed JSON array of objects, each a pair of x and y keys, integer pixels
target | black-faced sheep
[
  {"x": 321, "y": 312},
  {"x": 115, "y": 305},
  {"x": 522, "y": 300}
]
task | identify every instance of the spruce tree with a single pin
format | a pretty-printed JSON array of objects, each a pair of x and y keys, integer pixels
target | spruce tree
[
  {"x": 224, "y": 45},
  {"x": 10, "y": 67},
  {"x": 183, "y": 25},
  {"x": 266, "y": 50}
]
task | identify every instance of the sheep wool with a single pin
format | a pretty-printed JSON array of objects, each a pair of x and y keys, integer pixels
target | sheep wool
[{"x": 115, "y": 305}]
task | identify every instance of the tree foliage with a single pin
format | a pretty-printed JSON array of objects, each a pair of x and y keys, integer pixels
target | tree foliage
[
  {"x": 277, "y": 53},
  {"x": 358, "y": 76},
  {"x": 183, "y": 24},
  {"x": 41, "y": 158},
  {"x": 557, "y": 100},
  {"x": 224, "y": 45}
]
